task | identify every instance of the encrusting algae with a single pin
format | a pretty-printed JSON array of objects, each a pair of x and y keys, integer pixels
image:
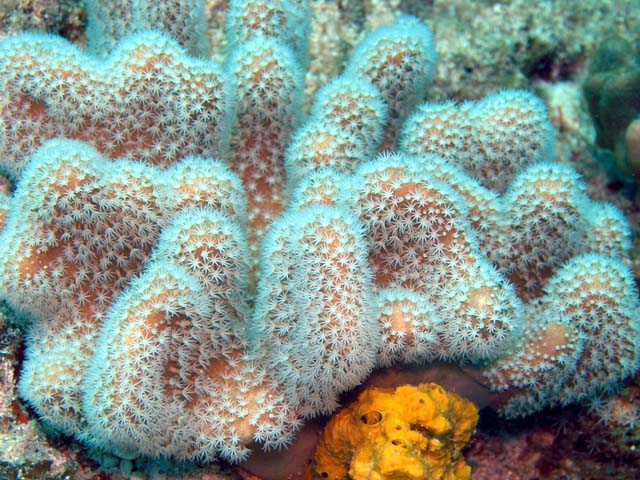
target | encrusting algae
[{"x": 410, "y": 432}]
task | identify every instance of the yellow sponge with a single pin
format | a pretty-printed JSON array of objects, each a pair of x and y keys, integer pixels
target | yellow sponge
[{"x": 410, "y": 432}]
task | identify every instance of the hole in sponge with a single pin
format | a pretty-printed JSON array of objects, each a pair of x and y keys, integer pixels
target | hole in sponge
[
  {"x": 371, "y": 418},
  {"x": 398, "y": 443}
]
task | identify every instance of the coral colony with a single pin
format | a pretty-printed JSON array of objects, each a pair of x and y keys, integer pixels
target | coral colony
[{"x": 199, "y": 267}]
